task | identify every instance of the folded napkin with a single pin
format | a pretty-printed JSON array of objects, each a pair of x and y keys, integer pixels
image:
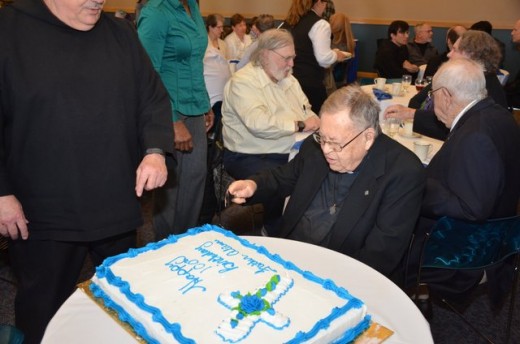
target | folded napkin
[{"x": 381, "y": 95}]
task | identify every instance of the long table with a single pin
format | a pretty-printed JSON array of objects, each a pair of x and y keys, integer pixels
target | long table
[{"x": 407, "y": 141}]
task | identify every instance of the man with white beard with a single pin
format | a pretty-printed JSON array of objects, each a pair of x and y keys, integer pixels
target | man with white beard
[{"x": 264, "y": 106}]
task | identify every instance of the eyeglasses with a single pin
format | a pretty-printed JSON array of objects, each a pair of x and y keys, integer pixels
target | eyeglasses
[
  {"x": 285, "y": 58},
  {"x": 431, "y": 92},
  {"x": 336, "y": 147}
]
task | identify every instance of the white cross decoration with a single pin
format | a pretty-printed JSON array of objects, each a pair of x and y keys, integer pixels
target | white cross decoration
[{"x": 247, "y": 310}]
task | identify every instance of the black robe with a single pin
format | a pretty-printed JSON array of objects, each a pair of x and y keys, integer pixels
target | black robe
[{"x": 77, "y": 109}]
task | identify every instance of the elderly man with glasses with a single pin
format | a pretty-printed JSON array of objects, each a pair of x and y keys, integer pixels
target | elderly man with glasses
[
  {"x": 353, "y": 189},
  {"x": 474, "y": 176},
  {"x": 264, "y": 106}
]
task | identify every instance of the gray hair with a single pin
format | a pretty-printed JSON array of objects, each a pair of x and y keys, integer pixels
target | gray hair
[
  {"x": 463, "y": 78},
  {"x": 270, "y": 40},
  {"x": 264, "y": 22},
  {"x": 480, "y": 46},
  {"x": 362, "y": 107},
  {"x": 419, "y": 26}
]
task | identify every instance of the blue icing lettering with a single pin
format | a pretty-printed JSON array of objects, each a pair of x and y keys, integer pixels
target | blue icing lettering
[
  {"x": 225, "y": 265},
  {"x": 255, "y": 263},
  {"x": 184, "y": 267},
  {"x": 230, "y": 251}
]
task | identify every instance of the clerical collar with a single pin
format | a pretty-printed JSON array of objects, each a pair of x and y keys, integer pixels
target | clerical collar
[{"x": 361, "y": 164}]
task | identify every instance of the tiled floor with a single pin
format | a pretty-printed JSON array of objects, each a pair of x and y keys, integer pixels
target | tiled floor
[{"x": 446, "y": 327}]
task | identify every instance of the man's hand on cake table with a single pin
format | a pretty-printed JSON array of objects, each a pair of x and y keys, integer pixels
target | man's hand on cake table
[
  {"x": 151, "y": 173},
  {"x": 240, "y": 190},
  {"x": 13, "y": 223}
]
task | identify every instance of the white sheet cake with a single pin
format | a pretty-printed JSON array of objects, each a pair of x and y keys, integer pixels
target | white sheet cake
[{"x": 210, "y": 286}]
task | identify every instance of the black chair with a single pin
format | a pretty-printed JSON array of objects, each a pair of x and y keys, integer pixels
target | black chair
[
  {"x": 380, "y": 41},
  {"x": 456, "y": 244}
]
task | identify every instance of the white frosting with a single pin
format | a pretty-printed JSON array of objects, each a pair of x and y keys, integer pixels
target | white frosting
[{"x": 191, "y": 281}]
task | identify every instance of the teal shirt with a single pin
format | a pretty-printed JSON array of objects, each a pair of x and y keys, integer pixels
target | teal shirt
[{"x": 176, "y": 44}]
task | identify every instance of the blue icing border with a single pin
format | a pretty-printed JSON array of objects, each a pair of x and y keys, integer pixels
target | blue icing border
[
  {"x": 122, "y": 314},
  {"x": 175, "y": 328},
  {"x": 353, "y": 333}
]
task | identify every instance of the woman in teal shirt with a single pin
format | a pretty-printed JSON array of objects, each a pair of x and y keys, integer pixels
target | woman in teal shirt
[{"x": 174, "y": 35}]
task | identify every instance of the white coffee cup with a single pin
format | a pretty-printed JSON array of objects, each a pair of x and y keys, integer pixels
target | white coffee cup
[
  {"x": 396, "y": 89},
  {"x": 408, "y": 127},
  {"x": 421, "y": 149},
  {"x": 380, "y": 83}
]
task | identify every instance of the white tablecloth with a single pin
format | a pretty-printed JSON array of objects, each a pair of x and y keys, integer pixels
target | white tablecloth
[
  {"x": 402, "y": 139},
  {"x": 404, "y": 99},
  {"x": 80, "y": 320},
  {"x": 408, "y": 143}
]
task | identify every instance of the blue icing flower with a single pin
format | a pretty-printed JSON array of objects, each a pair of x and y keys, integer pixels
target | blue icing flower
[{"x": 251, "y": 304}]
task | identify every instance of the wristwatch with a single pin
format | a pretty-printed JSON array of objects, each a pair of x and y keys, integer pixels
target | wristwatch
[
  {"x": 301, "y": 126},
  {"x": 154, "y": 151}
]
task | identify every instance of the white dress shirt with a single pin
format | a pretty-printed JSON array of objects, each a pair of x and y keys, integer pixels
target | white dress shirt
[
  {"x": 320, "y": 36},
  {"x": 236, "y": 46},
  {"x": 216, "y": 70}
]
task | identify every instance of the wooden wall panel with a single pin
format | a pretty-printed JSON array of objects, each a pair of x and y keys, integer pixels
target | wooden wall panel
[{"x": 502, "y": 13}]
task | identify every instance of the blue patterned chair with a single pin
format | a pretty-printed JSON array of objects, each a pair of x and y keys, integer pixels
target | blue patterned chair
[{"x": 456, "y": 244}]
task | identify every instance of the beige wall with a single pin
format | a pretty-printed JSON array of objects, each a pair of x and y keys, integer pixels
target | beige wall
[{"x": 501, "y": 13}]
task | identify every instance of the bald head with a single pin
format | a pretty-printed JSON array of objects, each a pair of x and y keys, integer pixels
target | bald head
[
  {"x": 456, "y": 84},
  {"x": 453, "y": 34},
  {"x": 459, "y": 29},
  {"x": 464, "y": 79},
  {"x": 515, "y": 34}
]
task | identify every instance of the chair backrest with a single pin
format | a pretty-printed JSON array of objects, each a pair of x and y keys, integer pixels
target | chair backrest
[
  {"x": 380, "y": 41},
  {"x": 456, "y": 244}
]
